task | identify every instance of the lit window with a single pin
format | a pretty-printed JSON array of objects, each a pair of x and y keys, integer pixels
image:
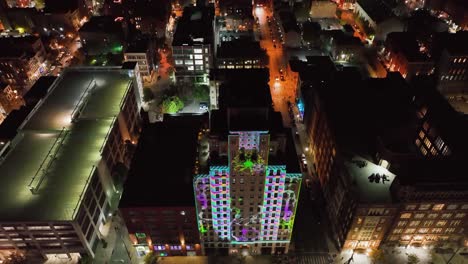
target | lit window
[
  {"x": 197, "y": 50},
  {"x": 179, "y": 62},
  {"x": 198, "y": 57},
  {"x": 438, "y": 207},
  {"x": 188, "y": 62},
  {"x": 190, "y": 68},
  {"x": 199, "y": 62},
  {"x": 405, "y": 216}
]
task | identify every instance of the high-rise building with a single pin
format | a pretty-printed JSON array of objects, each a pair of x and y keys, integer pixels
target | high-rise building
[
  {"x": 247, "y": 198},
  {"x": 57, "y": 173}
]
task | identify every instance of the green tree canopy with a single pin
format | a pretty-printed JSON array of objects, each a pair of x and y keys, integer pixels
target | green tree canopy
[
  {"x": 201, "y": 92},
  {"x": 172, "y": 105}
]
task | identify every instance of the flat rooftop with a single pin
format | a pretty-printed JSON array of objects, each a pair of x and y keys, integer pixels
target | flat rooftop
[
  {"x": 162, "y": 169},
  {"x": 370, "y": 189},
  {"x": 60, "y": 152}
]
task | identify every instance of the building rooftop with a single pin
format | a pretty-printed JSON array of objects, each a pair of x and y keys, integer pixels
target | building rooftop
[
  {"x": 9, "y": 127},
  {"x": 162, "y": 168},
  {"x": 240, "y": 48},
  {"x": 407, "y": 44},
  {"x": 289, "y": 21},
  {"x": 455, "y": 44},
  {"x": 434, "y": 174},
  {"x": 138, "y": 46},
  {"x": 195, "y": 26},
  {"x": 57, "y": 6},
  {"x": 12, "y": 46},
  {"x": 245, "y": 103},
  {"x": 106, "y": 24},
  {"x": 378, "y": 10},
  {"x": 371, "y": 182},
  {"x": 54, "y": 156}
]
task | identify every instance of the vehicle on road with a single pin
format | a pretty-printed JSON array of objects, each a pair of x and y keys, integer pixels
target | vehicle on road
[{"x": 203, "y": 106}]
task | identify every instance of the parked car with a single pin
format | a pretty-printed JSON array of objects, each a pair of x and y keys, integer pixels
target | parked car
[{"x": 203, "y": 106}]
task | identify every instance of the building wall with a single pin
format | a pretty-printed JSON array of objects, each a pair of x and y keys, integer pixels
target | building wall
[
  {"x": 452, "y": 72},
  {"x": 428, "y": 139},
  {"x": 145, "y": 65},
  {"x": 23, "y": 70},
  {"x": 61, "y": 237},
  {"x": 171, "y": 231},
  {"x": 243, "y": 206},
  {"x": 423, "y": 222},
  {"x": 193, "y": 63},
  {"x": 239, "y": 63},
  {"x": 370, "y": 225}
]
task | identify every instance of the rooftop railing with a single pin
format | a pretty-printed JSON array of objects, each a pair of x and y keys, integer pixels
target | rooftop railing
[{"x": 41, "y": 172}]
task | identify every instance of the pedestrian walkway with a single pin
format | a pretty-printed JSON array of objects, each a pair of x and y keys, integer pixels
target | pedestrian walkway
[{"x": 314, "y": 259}]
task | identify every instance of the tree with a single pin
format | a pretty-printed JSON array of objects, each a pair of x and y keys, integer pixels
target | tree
[
  {"x": 201, "y": 92},
  {"x": 413, "y": 259},
  {"x": 377, "y": 256},
  {"x": 172, "y": 105}
]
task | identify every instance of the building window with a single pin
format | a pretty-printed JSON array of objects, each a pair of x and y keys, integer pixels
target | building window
[
  {"x": 424, "y": 207},
  {"x": 438, "y": 207},
  {"x": 405, "y": 216},
  {"x": 197, "y": 51}
]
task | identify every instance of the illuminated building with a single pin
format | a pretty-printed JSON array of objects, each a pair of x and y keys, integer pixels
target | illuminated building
[
  {"x": 433, "y": 203},
  {"x": 235, "y": 20},
  {"x": 192, "y": 47},
  {"x": 21, "y": 60},
  {"x": 10, "y": 100},
  {"x": 157, "y": 205},
  {"x": 380, "y": 175},
  {"x": 142, "y": 51},
  {"x": 240, "y": 54},
  {"x": 451, "y": 55},
  {"x": 246, "y": 200},
  {"x": 57, "y": 173}
]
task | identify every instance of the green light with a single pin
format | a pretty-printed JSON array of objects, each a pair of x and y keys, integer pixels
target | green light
[
  {"x": 202, "y": 229},
  {"x": 93, "y": 61},
  {"x": 248, "y": 164},
  {"x": 140, "y": 235},
  {"x": 20, "y": 30},
  {"x": 118, "y": 48}
]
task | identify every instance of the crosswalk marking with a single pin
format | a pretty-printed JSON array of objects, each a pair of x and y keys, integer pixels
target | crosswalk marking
[{"x": 313, "y": 259}]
